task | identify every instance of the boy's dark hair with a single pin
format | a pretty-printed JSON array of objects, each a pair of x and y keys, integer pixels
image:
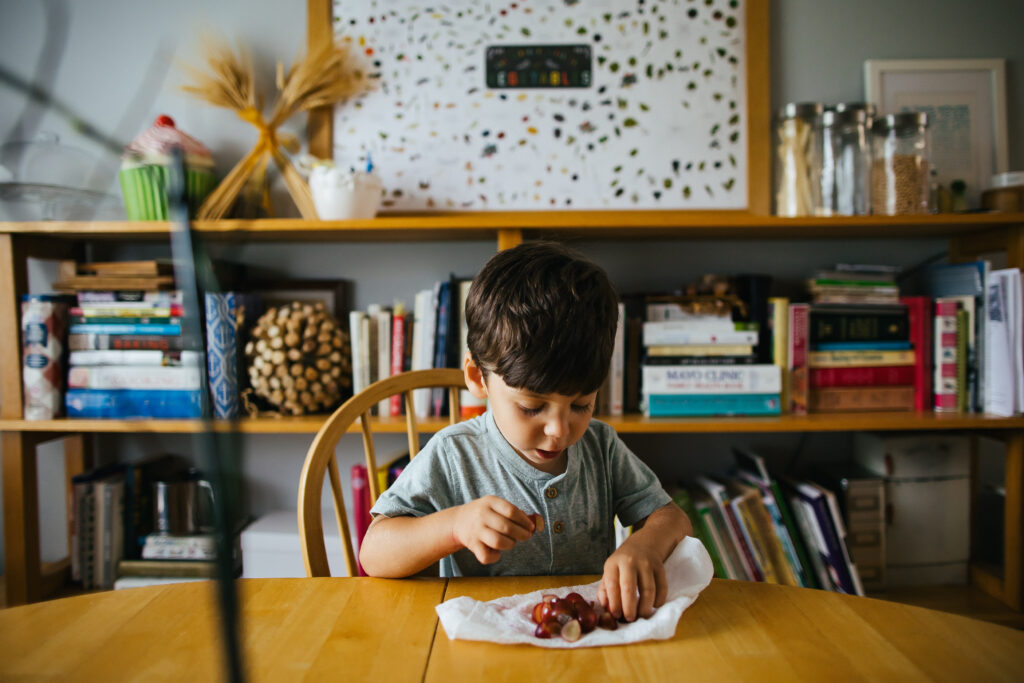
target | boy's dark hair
[{"x": 543, "y": 317}]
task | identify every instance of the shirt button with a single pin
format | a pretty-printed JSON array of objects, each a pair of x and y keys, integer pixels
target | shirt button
[
  {"x": 552, "y": 492},
  {"x": 557, "y": 527}
]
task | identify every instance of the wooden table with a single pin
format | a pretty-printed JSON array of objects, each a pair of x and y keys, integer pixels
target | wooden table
[{"x": 387, "y": 630}]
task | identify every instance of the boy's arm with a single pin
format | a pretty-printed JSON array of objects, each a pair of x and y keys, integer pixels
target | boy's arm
[
  {"x": 401, "y": 546},
  {"x": 634, "y": 575}
]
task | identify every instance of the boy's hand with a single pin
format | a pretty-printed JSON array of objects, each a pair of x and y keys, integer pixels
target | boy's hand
[
  {"x": 489, "y": 525},
  {"x": 633, "y": 582}
]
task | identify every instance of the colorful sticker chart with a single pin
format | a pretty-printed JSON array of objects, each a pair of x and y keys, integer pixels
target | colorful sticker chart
[{"x": 548, "y": 104}]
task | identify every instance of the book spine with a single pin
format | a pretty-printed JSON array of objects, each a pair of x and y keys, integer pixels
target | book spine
[
  {"x": 714, "y": 379},
  {"x": 100, "y": 342},
  {"x": 199, "y": 547},
  {"x": 124, "y": 320},
  {"x": 122, "y": 311},
  {"x": 687, "y": 405},
  {"x": 840, "y": 326},
  {"x": 132, "y": 403},
  {"x": 834, "y": 558},
  {"x": 694, "y": 350},
  {"x": 131, "y": 377},
  {"x": 920, "y": 335},
  {"x": 672, "y": 332},
  {"x": 357, "y": 345},
  {"x": 137, "y": 357},
  {"x": 398, "y": 342},
  {"x": 863, "y": 376},
  {"x": 617, "y": 372},
  {"x": 799, "y": 319},
  {"x": 161, "y": 298},
  {"x": 439, "y": 396},
  {"x": 945, "y": 341},
  {"x": 699, "y": 360},
  {"x": 842, "y": 399},
  {"x": 753, "y": 538},
  {"x": 858, "y": 358},
  {"x": 858, "y": 345},
  {"x": 124, "y": 329},
  {"x": 221, "y": 355},
  {"x": 360, "y": 506},
  {"x": 778, "y": 319}
]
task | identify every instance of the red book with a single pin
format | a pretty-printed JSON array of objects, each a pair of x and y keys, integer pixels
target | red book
[
  {"x": 920, "y": 328},
  {"x": 398, "y": 344},
  {"x": 799, "y": 326},
  {"x": 878, "y": 375},
  {"x": 946, "y": 355},
  {"x": 360, "y": 508}
]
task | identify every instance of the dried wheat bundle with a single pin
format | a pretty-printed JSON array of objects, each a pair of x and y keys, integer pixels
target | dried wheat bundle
[{"x": 322, "y": 78}]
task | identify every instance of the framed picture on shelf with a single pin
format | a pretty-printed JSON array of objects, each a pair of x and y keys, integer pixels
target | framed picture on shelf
[
  {"x": 555, "y": 106},
  {"x": 965, "y": 100}
]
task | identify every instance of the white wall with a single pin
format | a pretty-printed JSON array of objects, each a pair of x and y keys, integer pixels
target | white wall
[{"x": 113, "y": 66}]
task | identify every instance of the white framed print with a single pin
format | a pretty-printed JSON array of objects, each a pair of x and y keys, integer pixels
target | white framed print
[{"x": 965, "y": 100}]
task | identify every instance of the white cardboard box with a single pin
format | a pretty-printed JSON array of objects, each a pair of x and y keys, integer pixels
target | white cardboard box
[
  {"x": 927, "y": 491},
  {"x": 271, "y": 549}
]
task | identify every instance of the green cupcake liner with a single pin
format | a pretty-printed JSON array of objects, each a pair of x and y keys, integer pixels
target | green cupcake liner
[{"x": 145, "y": 191}]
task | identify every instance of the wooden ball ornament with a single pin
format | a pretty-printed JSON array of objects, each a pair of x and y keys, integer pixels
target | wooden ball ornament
[{"x": 294, "y": 347}]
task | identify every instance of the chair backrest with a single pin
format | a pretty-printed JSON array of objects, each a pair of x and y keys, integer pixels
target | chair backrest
[{"x": 320, "y": 457}]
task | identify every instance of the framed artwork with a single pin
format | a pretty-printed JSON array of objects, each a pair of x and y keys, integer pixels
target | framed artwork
[
  {"x": 554, "y": 105},
  {"x": 965, "y": 100}
]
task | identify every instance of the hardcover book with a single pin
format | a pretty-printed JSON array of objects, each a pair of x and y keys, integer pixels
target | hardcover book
[
  {"x": 694, "y": 405},
  {"x": 712, "y": 379},
  {"x": 919, "y": 323},
  {"x": 796, "y": 359},
  {"x": 854, "y": 399}
]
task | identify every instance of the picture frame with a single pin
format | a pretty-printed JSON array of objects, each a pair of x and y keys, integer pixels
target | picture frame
[
  {"x": 753, "y": 175},
  {"x": 965, "y": 100},
  {"x": 333, "y": 294}
]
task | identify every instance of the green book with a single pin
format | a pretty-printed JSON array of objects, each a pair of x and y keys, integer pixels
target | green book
[{"x": 681, "y": 497}]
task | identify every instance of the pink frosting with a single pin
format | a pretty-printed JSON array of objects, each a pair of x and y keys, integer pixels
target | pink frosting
[{"x": 156, "y": 143}]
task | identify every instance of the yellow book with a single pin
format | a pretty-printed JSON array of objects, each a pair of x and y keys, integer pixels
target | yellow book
[
  {"x": 858, "y": 358},
  {"x": 778, "y": 307},
  {"x": 700, "y": 350}
]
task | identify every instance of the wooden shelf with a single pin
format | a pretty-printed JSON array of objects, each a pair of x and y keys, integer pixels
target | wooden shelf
[
  {"x": 591, "y": 225},
  {"x": 629, "y": 424}
]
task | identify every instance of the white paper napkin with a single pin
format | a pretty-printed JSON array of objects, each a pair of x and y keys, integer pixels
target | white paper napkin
[{"x": 688, "y": 571}]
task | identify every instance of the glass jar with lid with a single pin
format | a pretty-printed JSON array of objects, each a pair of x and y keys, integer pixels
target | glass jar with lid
[
  {"x": 846, "y": 162},
  {"x": 798, "y": 159},
  {"x": 900, "y": 165}
]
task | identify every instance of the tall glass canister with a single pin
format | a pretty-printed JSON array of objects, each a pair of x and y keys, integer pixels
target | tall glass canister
[
  {"x": 846, "y": 162},
  {"x": 900, "y": 164},
  {"x": 798, "y": 160}
]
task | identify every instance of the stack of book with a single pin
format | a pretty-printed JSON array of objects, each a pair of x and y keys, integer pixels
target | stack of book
[
  {"x": 127, "y": 352},
  {"x": 860, "y": 358},
  {"x": 127, "y": 357},
  {"x": 855, "y": 284},
  {"x": 705, "y": 364},
  {"x": 757, "y": 528}
]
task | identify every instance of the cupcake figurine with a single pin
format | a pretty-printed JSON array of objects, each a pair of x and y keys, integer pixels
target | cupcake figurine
[{"x": 144, "y": 171}]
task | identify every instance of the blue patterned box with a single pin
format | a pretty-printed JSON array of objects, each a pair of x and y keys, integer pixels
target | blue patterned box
[{"x": 222, "y": 354}]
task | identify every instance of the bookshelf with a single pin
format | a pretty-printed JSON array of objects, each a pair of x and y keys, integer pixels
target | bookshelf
[{"x": 27, "y": 580}]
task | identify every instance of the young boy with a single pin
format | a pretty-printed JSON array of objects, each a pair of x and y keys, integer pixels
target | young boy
[{"x": 532, "y": 486}]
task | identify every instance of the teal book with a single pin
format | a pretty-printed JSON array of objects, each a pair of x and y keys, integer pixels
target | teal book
[{"x": 706, "y": 405}]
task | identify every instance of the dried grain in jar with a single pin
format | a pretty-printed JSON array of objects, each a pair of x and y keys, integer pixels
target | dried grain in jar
[{"x": 900, "y": 164}]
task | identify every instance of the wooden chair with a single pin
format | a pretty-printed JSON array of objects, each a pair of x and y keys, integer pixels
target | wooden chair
[{"x": 320, "y": 457}]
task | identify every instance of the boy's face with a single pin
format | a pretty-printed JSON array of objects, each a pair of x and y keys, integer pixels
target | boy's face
[{"x": 540, "y": 427}]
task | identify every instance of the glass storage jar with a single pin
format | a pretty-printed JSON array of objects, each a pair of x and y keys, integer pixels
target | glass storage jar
[
  {"x": 900, "y": 164},
  {"x": 846, "y": 162},
  {"x": 798, "y": 160}
]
